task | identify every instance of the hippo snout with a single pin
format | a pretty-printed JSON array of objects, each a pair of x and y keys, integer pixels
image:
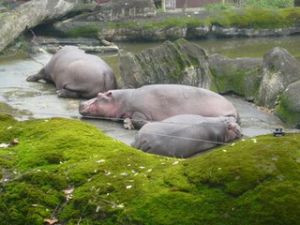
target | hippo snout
[{"x": 83, "y": 108}]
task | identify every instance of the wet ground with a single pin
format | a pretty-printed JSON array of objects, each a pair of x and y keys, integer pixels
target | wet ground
[{"x": 39, "y": 100}]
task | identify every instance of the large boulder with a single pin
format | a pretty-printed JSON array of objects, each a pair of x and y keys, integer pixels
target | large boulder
[
  {"x": 288, "y": 108},
  {"x": 280, "y": 69},
  {"x": 241, "y": 76},
  {"x": 179, "y": 62}
]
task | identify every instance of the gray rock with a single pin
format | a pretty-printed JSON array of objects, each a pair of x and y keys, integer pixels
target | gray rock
[
  {"x": 241, "y": 76},
  {"x": 279, "y": 70},
  {"x": 179, "y": 62}
]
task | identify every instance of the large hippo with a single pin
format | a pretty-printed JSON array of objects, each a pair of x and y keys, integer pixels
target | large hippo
[
  {"x": 186, "y": 135},
  {"x": 156, "y": 103},
  {"x": 77, "y": 74}
]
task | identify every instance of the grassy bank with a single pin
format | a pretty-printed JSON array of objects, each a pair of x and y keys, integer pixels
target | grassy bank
[
  {"x": 67, "y": 170},
  {"x": 257, "y": 18}
]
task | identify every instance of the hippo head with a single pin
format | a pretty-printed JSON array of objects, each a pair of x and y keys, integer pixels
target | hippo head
[
  {"x": 103, "y": 105},
  {"x": 233, "y": 130}
]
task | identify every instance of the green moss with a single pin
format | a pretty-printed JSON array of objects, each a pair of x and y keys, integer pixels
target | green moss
[
  {"x": 254, "y": 181},
  {"x": 84, "y": 31}
]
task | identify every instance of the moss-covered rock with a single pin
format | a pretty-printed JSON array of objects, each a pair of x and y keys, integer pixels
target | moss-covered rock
[
  {"x": 280, "y": 69},
  {"x": 69, "y": 170},
  {"x": 288, "y": 108},
  {"x": 241, "y": 76},
  {"x": 179, "y": 62}
]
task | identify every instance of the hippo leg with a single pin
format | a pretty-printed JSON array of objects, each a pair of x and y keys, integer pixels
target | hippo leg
[
  {"x": 138, "y": 120},
  {"x": 35, "y": 77},
  {"x": 143, "y": 145},
  {"x": 65, "y": 93}
]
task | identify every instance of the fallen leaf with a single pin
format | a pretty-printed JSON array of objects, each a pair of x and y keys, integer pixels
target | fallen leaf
[{"x": 69, "y": 191}]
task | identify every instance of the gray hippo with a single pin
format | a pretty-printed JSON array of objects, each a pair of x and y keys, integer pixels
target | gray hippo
[
  {"x": 186, "y": 135},
  {"x": 156, "y": 103},
  {"x": 76, "y": 74}
]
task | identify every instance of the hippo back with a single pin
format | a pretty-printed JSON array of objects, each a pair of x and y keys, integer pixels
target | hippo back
[
  {"x": 182, "y": 135},
  {"x": 159, "y": 102}
]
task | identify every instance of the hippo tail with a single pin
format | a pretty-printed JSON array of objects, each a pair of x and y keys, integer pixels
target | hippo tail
[{"x": 236, "y": 117}]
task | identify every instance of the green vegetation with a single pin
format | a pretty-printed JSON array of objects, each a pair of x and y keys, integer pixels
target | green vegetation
[
  {"x": 269, "y": 3},
  {"x": 164, "y": 23},
  {"x": 229, "y": 17},
  {"x": 223, "y": 16},
  {"x": 257, "y": 18},
  {"x": 68, "y": 170}
]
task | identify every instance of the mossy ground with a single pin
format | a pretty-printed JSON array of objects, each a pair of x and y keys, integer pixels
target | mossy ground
[{"x": 255, "y": 181}]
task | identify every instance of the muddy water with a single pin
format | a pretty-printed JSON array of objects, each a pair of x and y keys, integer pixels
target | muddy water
[{"x": 39, "y": 100}]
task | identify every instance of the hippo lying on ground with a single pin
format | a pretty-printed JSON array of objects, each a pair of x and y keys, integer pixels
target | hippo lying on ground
[
  {"x": 186, "y": 135},
  {"x": 156, "y": 103},
  {"x": 77, "y": 74}
]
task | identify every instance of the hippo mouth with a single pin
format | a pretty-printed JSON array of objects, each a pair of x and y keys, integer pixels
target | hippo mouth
[{"x": 87, "y": 109}]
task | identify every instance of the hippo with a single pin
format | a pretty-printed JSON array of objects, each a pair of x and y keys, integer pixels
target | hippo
[
  {"x": 76, "y": 74},
  {"x": 156, "y": 103},
  {"x": 186, "y": 135}
]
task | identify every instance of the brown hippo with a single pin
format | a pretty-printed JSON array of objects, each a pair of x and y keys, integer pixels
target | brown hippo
[
  {"x": 186, "y": 135},
  {"x": 156, "y": 103},
  {"x": 77, "y": 74}
]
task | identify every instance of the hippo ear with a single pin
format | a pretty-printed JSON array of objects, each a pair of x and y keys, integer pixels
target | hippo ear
[
  {"x": 108, "y": 94},
  {"x": 102, "y": 97}
]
